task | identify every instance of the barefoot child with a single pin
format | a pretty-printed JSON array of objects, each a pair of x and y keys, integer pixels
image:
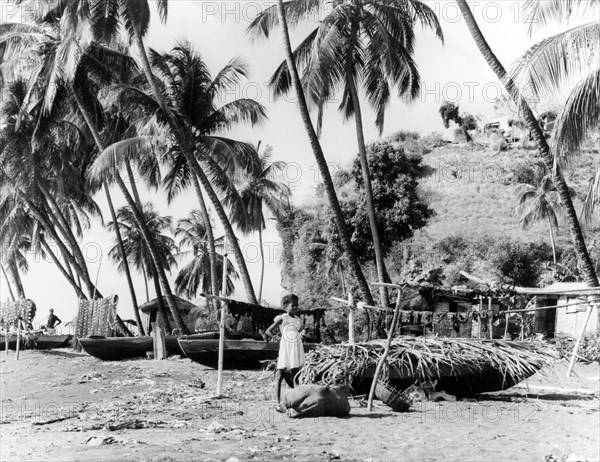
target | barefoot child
[{"x": 291, "y": 351}]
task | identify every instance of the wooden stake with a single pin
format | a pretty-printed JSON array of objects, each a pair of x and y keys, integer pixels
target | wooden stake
[
  {"x": 588, "y": 314},
  {"x": 351, "y": 319},
  {"x": 18, "y": 337},
  {"x": 6, "y": 341},
  {"x": 385, "y": 351},
  {"x": 490, "y": 326},
  {"x": 158, "y": 342},
  {"x": 222, "y": 323}
]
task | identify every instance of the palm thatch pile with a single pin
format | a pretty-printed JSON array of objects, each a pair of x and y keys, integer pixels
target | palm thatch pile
[{"x": 427, "y": 358}]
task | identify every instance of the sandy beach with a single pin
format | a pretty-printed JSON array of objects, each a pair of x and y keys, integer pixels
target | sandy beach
[{"x": 61, "y": 405}]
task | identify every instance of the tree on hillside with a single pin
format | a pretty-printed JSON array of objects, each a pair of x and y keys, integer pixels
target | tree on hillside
[
  {"x": 539, "y": 202},
  {"x": 401, "y": 211},
  {"x": 465, "y": 121}
]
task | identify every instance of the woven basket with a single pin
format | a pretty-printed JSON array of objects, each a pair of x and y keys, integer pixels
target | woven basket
[{"x": 394, "y": 398}]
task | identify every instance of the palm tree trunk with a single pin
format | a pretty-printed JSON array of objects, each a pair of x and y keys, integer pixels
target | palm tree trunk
[
  {"x": 113, "y": 215},
  {"x": 245, "y": 275},
  {"x": 10, "y": 291},
  {"x": 552, "y": 240},
  {"x": 14, "y": 272},
  {"x": 321, "y": 161},
  {"x": 262, "y": 263},
  {"x": 140, "y": 220},
  {"x": 583, "y": 255},
  {"x": 364, "y": 165},
  {"x": 145, "y": 276},
  {"x": 62, "y": 269},
  {"x": 210, "y": 237},
  {"x": 63, "y": 226},
  {"x": 162, "y": 312}
]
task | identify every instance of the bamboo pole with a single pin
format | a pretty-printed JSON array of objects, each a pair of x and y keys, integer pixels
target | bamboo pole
[
  {"x": 222, "y": 322},
  {"x": 385, "y": 351},
  {"x": 479, "y": 322},
  {"x": 490, "y": 325},
  {"x": 588, "y": 314},
  {"x": 351, "y": 319},
  {"x": 18, "y": 338}
]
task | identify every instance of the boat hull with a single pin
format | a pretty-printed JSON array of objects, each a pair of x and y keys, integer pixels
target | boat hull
[
  {"x": 39, "y": 342},
  {"x": 465, "y": 382},
  {"x": 237, "y": 354},
  {"x": 119, "y": 348}
]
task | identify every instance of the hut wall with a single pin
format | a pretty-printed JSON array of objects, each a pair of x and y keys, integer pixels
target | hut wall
[
  {"x": 450, "y": 326},
  {"x": 569, "y": 320}
]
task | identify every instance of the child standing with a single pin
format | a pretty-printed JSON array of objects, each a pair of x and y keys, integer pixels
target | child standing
[{"x": 291, "y": 351}]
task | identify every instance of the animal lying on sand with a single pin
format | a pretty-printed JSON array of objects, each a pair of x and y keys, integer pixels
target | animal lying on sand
[{"x": 317, "y": 401}]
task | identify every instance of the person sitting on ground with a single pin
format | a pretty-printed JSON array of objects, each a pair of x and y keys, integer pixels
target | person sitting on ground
[
  {"x": 52, "y": 323},
  {"x": 291, "y": 350}
]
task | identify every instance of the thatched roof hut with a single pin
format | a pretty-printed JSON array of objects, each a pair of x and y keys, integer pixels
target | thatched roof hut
[{"x": 189, "y": 312}]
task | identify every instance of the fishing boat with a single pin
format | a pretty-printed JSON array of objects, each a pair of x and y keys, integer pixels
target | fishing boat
[
  {"x": 460, "y": 366},
  {"x": 249, "y": 353},
  {"x": 119, "y": 348},
  {"x": 36, "y": 341}
]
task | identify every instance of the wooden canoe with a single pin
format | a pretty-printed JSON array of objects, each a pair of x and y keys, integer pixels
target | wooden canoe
[
  {"x": 458, "y": 382},
  {"x": 118, "y": 348},
  {"x": 237, "y": 354},
  {"x": 36, "y": 341}
]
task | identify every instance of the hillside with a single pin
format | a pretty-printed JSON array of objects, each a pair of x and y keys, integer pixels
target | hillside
[{"x": 472, "y": 189}]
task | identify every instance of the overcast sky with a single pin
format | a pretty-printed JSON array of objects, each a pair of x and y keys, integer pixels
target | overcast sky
[{"x": 454, "y": 71}]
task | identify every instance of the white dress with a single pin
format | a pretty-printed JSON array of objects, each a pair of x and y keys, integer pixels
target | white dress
[{"x": 291, "y": 351}]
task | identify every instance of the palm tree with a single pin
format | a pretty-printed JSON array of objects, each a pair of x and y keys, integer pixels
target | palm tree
[
  {"x": 103, "y": 19},
  {"x": 566, "y": 61},
  {"x": 261, "y": 26},
  {"x": 538, "y": 202},
  {"x": 262, "y": 189},
  {"x": 136, "y": 247},
  {"x": 196, "y": 275},
  {"x": 44, "y": 46},
  {"x": 545, "y": 153},
  {"x": 359, "y": 41},
  {"x": 193, "y": 93}
]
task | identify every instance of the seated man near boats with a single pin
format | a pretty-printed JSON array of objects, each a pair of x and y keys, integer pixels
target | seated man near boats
[
  {"x": 52, "y": 323},
  {"x": 291, "y": 350}
]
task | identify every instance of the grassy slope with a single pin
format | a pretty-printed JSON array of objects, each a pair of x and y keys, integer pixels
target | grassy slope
[{"x": 472, "y": 191}]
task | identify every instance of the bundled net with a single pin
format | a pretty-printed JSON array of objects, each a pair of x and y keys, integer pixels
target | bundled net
[{"x": 426, "y": 358}]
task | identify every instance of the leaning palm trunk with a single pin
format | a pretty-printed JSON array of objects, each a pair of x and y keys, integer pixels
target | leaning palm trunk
[
  {"x": 583, "y": 255},
  {"x": 140, "y": 220},
  {"x": 245, "y": 275},
  {"x": 162, "y": 313},
  {"x": 113, "y": 215},
  {"x": 14, "y": 272},
  {"x": 10, "y": 291},
  {"x": 364, "y": 165},
  {"x": 551, "y": 231},
  {"x": 210, "y": 237},
  {"x": 321, "y": 161}
]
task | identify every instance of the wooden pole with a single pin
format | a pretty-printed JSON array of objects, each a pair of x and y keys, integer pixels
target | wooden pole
[
  {"x": 490, "y": 326},
  {"x": 588, "y": 314},
  {"x": 18, "y": 337},
  {"x": 480, "y": 310},
  {"x": 385, "y": 351},
  {"x": 351, "y": 319},
  {"x": 158, "y": 342},
  {"x": 222, "y": 322},
  {"x": 6, "y": 340}
]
